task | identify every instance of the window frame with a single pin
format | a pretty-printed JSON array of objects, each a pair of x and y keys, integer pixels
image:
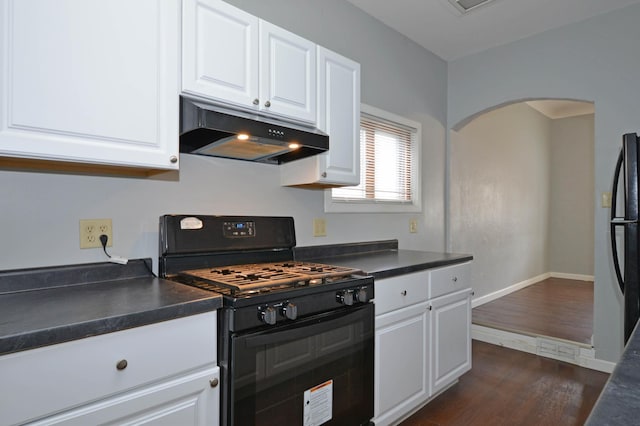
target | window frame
[{"x": 373, "y": 206}]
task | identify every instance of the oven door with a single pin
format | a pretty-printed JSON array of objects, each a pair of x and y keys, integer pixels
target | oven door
[{"x": 314, "y": 371}]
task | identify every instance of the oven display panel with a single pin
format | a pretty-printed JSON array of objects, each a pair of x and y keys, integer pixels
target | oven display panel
[{"x": 239, "y": 229}]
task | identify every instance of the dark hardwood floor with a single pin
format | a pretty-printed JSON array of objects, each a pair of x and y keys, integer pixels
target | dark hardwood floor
[
  {"x": 555, "y": 307},
  {"x": 509, "y": 387}
]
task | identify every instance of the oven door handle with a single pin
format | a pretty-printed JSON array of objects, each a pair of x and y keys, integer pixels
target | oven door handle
[{"x": 309, "y": 327}]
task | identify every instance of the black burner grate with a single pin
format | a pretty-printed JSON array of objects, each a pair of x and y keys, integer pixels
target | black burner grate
[{"x": 253, "y": 277}]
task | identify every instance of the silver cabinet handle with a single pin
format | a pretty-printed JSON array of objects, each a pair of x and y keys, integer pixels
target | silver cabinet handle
[
  {"x": 267, "y": 104},
  {"x": 173, "y": 159},
  {"x": 403, "y": 292},
  {"x": 256, "y": 101},
  {"x": 213, "y": 382},
  {"x": 455, "y": 279},
  {"x": 324, "y": 174},
  {"x": 122, "y": 364}
]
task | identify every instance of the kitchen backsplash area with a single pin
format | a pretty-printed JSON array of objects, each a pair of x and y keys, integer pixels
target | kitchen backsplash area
[{"x": 41, "y": 210}]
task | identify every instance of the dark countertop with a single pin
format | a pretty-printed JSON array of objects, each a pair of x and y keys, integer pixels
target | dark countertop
[
  {"x": 619, "y": 402},
  {"x": 45, "y": 306},
  {"x": 382, "y": 259}
]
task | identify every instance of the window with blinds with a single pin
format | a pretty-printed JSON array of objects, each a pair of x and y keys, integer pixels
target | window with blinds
[{"x": 387, "y": 162}]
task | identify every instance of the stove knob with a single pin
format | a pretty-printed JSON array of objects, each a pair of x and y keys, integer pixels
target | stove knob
[
  {"x": 267, "y": 315},
  {"x": 345, "y": 297},
  {"x": 290, "y": 311},
  {"x": 361, "y": 295}
]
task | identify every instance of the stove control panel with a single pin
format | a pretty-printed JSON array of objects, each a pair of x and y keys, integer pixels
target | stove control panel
[
  {"x": 279, "y": 312},
  {"x": 268, "y": 314},
  {"x": 352, "y": 296},
  {"x": 240, "y": 229}
]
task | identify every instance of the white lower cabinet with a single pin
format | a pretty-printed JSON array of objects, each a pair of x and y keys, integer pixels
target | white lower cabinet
[
  {"x": 401, "y": 362},
  {"x": 186, "y": 401},
  {"x": 451, "y": 337},
  {"x": 423, "y": 338},
  {"x": 163, "y": 373}
]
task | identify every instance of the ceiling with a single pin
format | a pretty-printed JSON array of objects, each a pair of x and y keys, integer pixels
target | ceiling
[
  {"x": 562, "y": 109},
  {"x": 439, "y": 27}
]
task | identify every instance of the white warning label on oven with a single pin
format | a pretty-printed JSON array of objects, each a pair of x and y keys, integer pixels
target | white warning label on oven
[{"x": 318, "y": 404}]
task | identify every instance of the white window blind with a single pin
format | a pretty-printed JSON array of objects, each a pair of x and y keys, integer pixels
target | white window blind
[{"x": 386, "y": 166}]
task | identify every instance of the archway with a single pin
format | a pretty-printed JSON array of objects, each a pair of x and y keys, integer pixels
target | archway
[{"x": 521, "y": 196}]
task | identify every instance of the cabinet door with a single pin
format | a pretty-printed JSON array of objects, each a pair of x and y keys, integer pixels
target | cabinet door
[
  {"x": 339, "y": 116},
  {"x": 220, "y": 52},
  {"x": 451, "y": 338},
  {"x": 287, "y": 74},
  {"x": 188, "y": 400},
  {"x": 90, "y": 81},
  {"x": 401, "y": 362}
]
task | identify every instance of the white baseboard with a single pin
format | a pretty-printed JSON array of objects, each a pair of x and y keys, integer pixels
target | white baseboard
[
  {"x": 507, "y": 290},
  {"x": 522, "y": 284},
  {"x": 582, "y": 355},
  {"x": 577, "y": 277}
]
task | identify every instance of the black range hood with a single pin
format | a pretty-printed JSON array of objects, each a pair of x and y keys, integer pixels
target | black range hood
[{"x": 208, "y": 129}]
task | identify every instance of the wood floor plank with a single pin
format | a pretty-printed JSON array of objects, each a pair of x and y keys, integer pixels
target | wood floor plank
[
  {"x": 509, "y": 387},
  {"x": 555, "y": 307}
]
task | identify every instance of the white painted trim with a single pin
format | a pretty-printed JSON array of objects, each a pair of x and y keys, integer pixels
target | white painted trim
[
  {"x": 522, "y": 284},
  {"x": 566, "y": 276},
  {"x": 586, "y": 355},
  {"x": 507, "y": 290},
  {"x": 368, "y": 206}
]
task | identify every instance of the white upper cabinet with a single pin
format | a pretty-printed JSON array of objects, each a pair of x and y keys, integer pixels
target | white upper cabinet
[
  {"x": 90, "y": 81},
  {"x": 288, "y": 71},
  {"x": 339, "y": 117},
  {"x": 220, "y": 52},
  {"x": 235, "y": 58}
]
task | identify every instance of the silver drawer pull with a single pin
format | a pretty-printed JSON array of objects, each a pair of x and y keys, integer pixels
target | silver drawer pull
[
  {"x": 455, "y": 279},
  {"x": 403, "y": 292},
  {"x": 122, "y": 364},
  {"x": 213, "y": 383}
]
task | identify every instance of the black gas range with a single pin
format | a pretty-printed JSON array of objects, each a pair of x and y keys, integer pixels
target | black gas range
[{"x": 295, "y": 339}]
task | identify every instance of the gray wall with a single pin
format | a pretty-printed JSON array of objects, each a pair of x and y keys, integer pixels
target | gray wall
[
  {"x": 595, "y": 60},
  {"x": 40, "y": 211},
  {"x": 572, "y": 196},
  {"x": 499, "y": 199},
  {"x": 521, "y": 196}
]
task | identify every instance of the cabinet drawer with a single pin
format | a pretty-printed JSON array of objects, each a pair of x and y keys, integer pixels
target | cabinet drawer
[
  {"x": 398, "y": 292},
  {"x": 53, "y": 378},
  {"x": 185, "y": 400},
  {"x": 449, "y": 279}
]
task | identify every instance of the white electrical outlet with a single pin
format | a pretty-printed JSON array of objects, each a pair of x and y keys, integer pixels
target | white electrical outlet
[
  {"x": 413, "y": 226},
  {"x": 90, "y": 231},
  {"x": 319, "y": 227}
]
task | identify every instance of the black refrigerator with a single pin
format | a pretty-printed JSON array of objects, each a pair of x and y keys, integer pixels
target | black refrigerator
[{"x": 626, "y": 216}]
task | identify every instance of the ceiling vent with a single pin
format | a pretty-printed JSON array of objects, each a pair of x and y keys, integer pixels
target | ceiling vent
[{"x": 465, "y": 6}]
